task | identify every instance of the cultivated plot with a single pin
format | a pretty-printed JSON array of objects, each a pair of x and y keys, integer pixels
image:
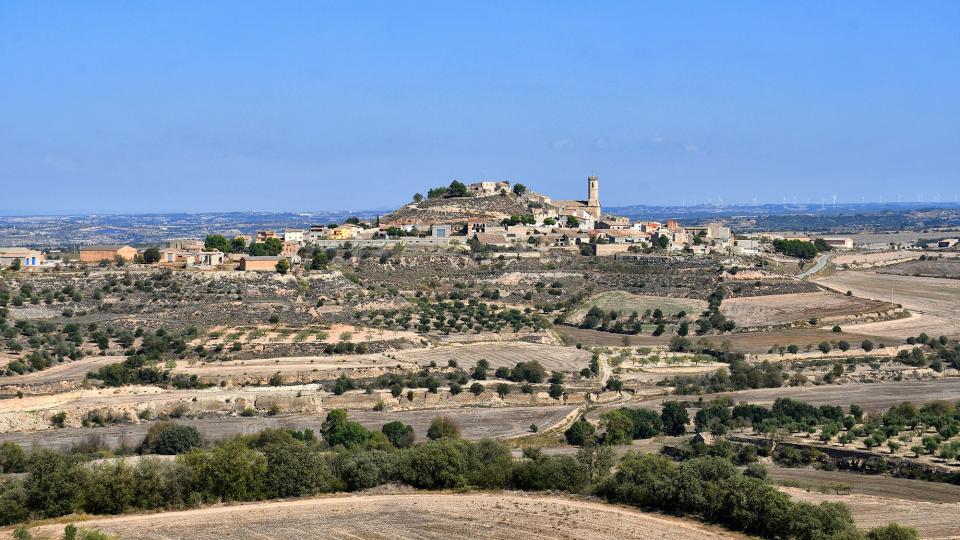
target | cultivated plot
[
  {"x": 780, "y": 309},
  {"x": 507, "y": 354},
  {"x": 483, "y": 515}
]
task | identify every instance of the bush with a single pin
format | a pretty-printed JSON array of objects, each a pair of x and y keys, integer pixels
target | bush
[
  {"x": 170, "y": 438},
  {"x": 399, "y": 434},
  {"x": 443, "y": 427},
  {"x": 892, "y": 531},
  {"x": 440, "y": 464},
  {"x": 580, "y": 432}
]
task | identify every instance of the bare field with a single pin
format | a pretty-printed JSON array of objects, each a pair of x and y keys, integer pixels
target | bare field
[
  {"x": 932, "y": 520},
  {"x": 936, "y": 298},
  {"x": 873, "y": 397},
  {"x": 418, "y": 515},
  {"x": 872, "y": 485},
  {"x": 780, "y": 309},
  {"x": 75, "y": 370},
  {"x": 938, "y": 268},
  {"x": 507, "y": 354},
  {"x": 475, "y": 423},
  {"x": 627, "y": 303},
  {"x": 308, "y": 366}
]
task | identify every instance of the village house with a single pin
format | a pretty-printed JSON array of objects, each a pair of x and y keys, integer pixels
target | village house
[
  {"x": 186, "y": 244},
  {"x": 189, "y": 258},
  {"x": 263, "y": 235},
  {"x": 95, "y": 254},
  {"x": 251, "y": 263},
  {"x": 294, "y": 235},
  {"x": 347, "y": 231},
  {"x": 29, "y": 258},
  {"x": 947, "y": 243},
  {"x": 613, "y": 223}
]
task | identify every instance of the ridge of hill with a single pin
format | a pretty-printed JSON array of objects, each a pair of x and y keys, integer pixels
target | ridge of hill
[{"x": 441, "y": 210}]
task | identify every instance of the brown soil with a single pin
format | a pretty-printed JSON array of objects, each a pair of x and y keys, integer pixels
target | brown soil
[
  {"x": 475, "y": 423},
  {"x": 435, "y": 515},
  {"x": 932, "y": 520},
  {"x": 936, "y": 299},
  {"x": 780, "y": 309},
  {"x": 506, "y": 354}
]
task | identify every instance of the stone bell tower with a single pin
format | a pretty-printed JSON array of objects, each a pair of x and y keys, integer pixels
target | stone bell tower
[{"x": 593, "y": 197}]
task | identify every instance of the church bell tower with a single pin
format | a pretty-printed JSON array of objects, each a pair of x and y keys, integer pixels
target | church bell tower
[{"x": 593, "y": 196}]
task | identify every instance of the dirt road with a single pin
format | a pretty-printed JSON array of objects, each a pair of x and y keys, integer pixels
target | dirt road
[{"x": 417, "y": 515}]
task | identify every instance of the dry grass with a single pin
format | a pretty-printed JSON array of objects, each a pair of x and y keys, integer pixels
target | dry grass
[{"x": 434, "y": 515}]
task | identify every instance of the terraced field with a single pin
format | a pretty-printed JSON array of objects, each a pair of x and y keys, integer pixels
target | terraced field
[
  {"x": 779, "y": 309},
  {"x": 507, "y": 354},
  {"x": 627, "y": 303},
  {"x": 475, "y": 423}
]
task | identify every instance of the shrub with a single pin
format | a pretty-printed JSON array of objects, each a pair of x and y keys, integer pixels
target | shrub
[
  {"x": 443, "y": 427},
  {"x": 580, "y": 432},
  {"x": 892, "y": 531},
  {"x": 399, "y": 434},
  {"x": 170, "y": 438},
  {"x": 439, "y": 464}
]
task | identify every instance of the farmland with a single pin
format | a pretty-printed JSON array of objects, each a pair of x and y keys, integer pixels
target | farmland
[
  {"x": 625, "y": 302},
  {"x": 475, "y": 423},
  {"x": 937, "y": 300},
  {"x": 507, "y": 354},
  {"x": 780, "y": 309},
  {"x": 411, "y": 515}
]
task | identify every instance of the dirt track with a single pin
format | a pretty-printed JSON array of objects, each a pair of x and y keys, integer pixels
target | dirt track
[
  {"x": 440, "y": 515},
  {"x": 475, "y": 423}
]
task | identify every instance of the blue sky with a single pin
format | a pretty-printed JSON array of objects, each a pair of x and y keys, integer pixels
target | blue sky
[{"x": 192, "y": 106}]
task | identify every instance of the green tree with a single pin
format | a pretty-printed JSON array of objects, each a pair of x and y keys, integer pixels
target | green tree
[
  {"x": 218, "y": 242},
  {"x": 619, "y": 427},
  {"x": 417, "y": 197},
  {"x": 580, "y": 432},
  {"x": 170, "y": 438},
  {"x": 519, "y": 189},
  {"x": 339, "y": 431},
  {"x": 151, "y": 255},
  {"x": 400, "y": 435},
  {"x": 892, "y": 531},
  {"x": 675, "y": 418},
  {"x": 53, "y": 486},
  {"x": 238, "y": 245},
  {"x": 283, "y": 266}
]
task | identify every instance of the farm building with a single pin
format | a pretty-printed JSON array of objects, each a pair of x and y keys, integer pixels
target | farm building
[
  {"x": 250, "y": 263},
  {"x": 94, "y": 254},
  {"x": 28, "y": 257},
  {"x": 839, "y": 242}
]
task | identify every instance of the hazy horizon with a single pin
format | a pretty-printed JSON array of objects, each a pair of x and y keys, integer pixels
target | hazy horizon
[{"x": 137, "y": 108}]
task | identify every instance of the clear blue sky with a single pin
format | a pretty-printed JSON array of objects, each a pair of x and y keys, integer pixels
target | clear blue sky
[{"x": 166, "y": 106}]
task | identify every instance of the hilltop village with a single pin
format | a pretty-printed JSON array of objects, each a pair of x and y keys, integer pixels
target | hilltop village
[{"x": 489, "y": 216}]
